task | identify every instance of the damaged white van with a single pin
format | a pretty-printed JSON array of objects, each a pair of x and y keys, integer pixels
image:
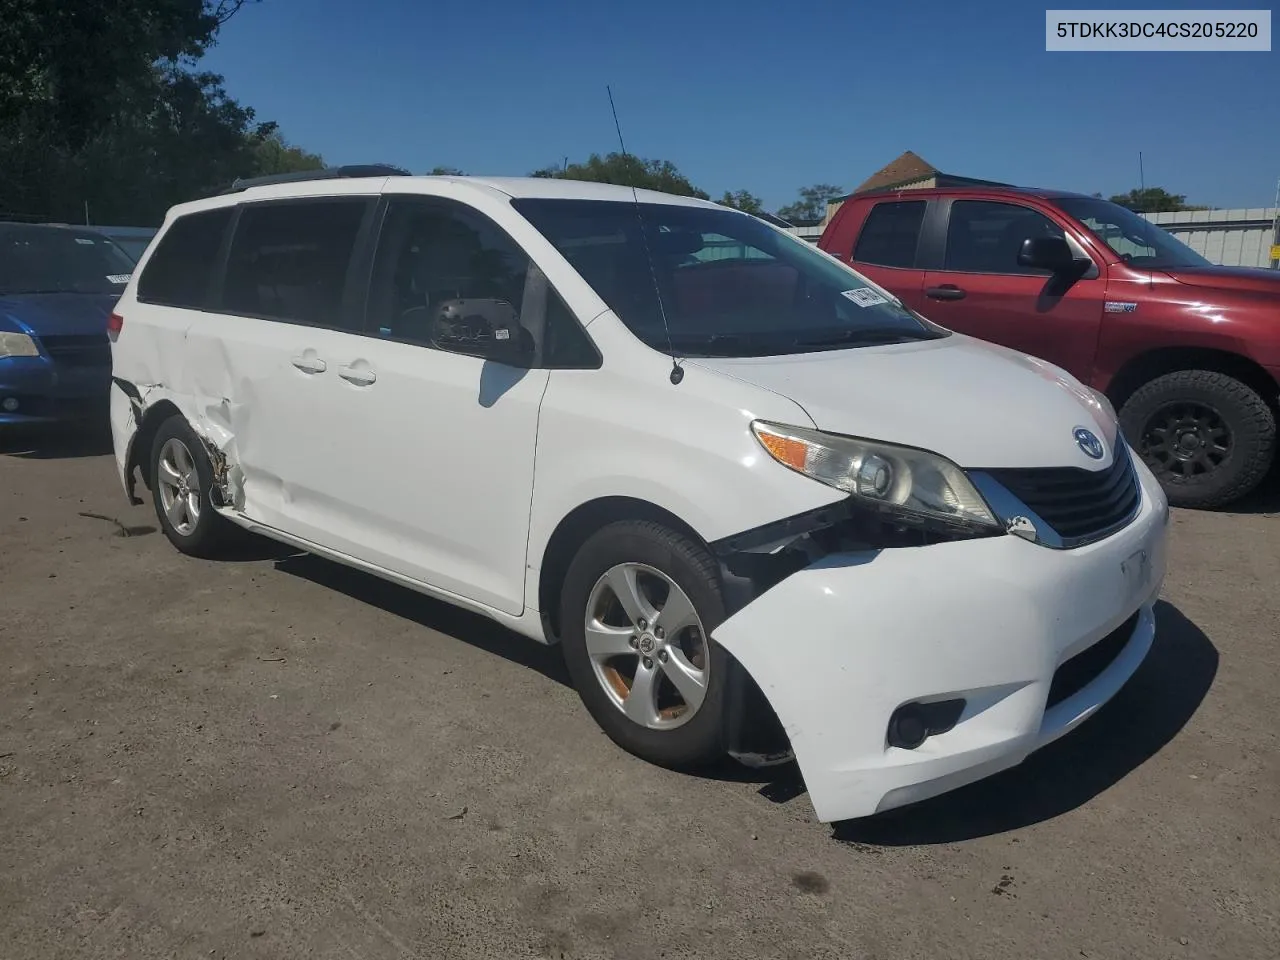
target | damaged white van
[{"x": 767, "y": 510}]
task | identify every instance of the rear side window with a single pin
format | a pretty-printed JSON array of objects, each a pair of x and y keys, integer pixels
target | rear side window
[
  {"x": 289, "y": 261},
  {"x": 181, "y": 269},
  {"x": 890, "y": 235}
]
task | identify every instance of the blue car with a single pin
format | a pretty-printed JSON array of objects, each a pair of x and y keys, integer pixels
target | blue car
[{"x": 58, "y": 285}]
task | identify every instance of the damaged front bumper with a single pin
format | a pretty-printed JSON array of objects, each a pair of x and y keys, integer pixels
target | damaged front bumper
[{"x": 840, "y": 646}]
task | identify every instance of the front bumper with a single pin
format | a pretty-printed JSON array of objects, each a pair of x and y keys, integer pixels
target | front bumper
[
  {"x": 47, "y": 392},
  {"x": 838, "y": 646}
]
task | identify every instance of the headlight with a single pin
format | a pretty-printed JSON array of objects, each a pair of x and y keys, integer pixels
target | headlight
[
  {"x": 912, "y": 484},
  {"x": 17, "y": 345},
  {"x": 1107, "y": 407}
]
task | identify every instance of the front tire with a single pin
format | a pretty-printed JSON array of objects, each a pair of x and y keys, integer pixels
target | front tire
[
  {"x": 181, "y": 482},
  {"x": 1208, "y": 437},
  {"x": 638, "y": 605}
]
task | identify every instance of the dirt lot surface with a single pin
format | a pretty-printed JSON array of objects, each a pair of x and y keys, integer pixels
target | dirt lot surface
[{"x": 278, "y": 757}]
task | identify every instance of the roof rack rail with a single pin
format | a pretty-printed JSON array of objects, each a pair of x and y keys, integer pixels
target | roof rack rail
[{"x": 328, "y": 173}]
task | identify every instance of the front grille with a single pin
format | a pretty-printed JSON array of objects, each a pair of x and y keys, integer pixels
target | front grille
[
  {"x": 1087, "y": 665},
  {"x": 90, "y": 350},
  {"x": 1080, "y": 505}
]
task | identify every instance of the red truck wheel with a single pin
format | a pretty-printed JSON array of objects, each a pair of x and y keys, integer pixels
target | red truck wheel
[{"x": 1208, "y": 437}]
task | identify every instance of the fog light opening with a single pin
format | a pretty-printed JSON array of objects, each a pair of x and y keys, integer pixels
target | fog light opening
[
  {"x": 914, "y": 723},
  {"x": 9, "y": 404}
]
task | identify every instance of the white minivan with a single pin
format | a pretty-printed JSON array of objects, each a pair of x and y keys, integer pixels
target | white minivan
[{"x": 767, "y": 510}]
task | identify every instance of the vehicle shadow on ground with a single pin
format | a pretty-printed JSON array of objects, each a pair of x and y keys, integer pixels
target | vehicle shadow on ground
[
  {"x": 56, "y": 443},
  {"x": 489, "y": 636},
  {"x": 436, "y": 615},
  {"x": 1145, "y": 715}
]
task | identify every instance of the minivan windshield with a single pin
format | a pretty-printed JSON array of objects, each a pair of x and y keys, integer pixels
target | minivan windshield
[
  {"x": 729, "y": 284},
  {"x": 1135, "y": 239},
  {"x": 40, "y": 259}
]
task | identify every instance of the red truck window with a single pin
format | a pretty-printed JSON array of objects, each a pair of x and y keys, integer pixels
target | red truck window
[
  {"x": 986, "y": 237},
  {"x": 891, "y": 234}
]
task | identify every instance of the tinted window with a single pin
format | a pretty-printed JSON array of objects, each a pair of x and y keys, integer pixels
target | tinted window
[
  {"x": 181, "y": 268},
  {"x": 717, "y": 282},
  {"x": 986, "y": 237},
  {"x": 440, "y": 263},
  {"x": 1134, "y": 238},
  {"x": 38, "y": 259},
  {"x": 289, "y": 261},
  {"x": 890, "y": 235}
]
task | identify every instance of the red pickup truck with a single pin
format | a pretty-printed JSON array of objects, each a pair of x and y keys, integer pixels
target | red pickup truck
[{"x": 1187, "y": 352}]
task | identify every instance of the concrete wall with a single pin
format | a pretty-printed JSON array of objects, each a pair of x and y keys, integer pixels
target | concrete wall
[{"x": 1233, "y": 238}]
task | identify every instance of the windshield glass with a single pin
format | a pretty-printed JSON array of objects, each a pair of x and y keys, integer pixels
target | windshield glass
[
  {"x": 1135, "y": 239},
  {"x": 36, "y": 259},
  {"x": 730, "y": 284}
]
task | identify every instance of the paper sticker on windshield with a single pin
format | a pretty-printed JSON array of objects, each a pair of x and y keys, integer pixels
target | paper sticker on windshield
[
  {"x": 84, "y": 241},
  {"x": 864, "y": 296},
  {"x": 118, "y": 277}
]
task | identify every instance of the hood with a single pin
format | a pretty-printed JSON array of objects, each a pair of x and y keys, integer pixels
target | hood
[
  {"x": 1252, "y": 279},
  {"x": 56, "y": 314},
  {"x": 978, "y": 404}
]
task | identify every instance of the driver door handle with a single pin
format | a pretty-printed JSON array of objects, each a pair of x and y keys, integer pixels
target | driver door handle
[
  {"x": 361, "y": 378},
  {"x": 948, "y": 291},
  {"x": 309, "y": 364}
]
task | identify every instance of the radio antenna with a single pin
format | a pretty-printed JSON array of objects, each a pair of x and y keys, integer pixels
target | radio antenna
[{"x": 677, "y": 371}]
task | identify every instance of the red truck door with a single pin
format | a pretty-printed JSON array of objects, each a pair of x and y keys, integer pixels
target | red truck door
[
  {"x": 981, "y": 289},
  {"x": 882, "y": 246}
]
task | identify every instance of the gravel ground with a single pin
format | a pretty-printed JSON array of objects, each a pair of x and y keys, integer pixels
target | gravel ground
[{"x": 275, "y": 757}]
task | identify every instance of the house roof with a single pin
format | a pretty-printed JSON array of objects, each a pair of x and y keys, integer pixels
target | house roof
[{"x": 905, "y": 169}]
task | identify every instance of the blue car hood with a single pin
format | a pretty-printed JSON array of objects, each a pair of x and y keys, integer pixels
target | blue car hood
[{"x": 56, "y": 314}]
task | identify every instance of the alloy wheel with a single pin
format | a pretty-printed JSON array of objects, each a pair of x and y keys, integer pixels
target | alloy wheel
[{"x": 647, "y": 646}]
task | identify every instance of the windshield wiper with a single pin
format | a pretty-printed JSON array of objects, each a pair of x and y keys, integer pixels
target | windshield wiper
[{"x": 867, "y": 336}]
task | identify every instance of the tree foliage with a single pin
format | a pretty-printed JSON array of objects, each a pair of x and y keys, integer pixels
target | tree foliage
[
  {"x": 812, "y": 204},
  {"x": 445, "y": 172},
  {"x": 628, "y": 171},
  {"x": 101, "y": 106},
  {"x": 1153, "y": 200},
  {"x": 742, "y": 200}
]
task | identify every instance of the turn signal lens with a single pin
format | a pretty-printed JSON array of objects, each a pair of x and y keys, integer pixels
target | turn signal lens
[{"x": 785, "y": 450}]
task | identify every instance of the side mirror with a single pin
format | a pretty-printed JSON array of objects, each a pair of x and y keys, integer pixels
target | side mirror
[
  {"x": 1049, "y": 253},
  {"x": 484, "y": 328}
]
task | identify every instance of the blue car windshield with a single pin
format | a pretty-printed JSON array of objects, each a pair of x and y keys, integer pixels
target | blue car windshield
[
  {"x": 712, "y": 282},
  {"x": 42, "y": 259}
]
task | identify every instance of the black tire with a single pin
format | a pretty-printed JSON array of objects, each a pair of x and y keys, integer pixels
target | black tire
[
  {"x": 1230, "y": 414},
  {"x": 211, "y": 532},
  {"x": 704, "y": 737}
]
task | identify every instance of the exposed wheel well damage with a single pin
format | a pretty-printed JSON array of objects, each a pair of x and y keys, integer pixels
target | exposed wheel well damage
[
  {"x": 572, "y": 532},
  {"x": 1145, "y": 367},
  {"x": 139, "y": 455},
  {"x": 757, "y": 736}
]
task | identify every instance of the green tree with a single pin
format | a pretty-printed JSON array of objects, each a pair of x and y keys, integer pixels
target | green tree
[
  {"x": 274, "y": 154},
  {"x": 742, "y": 200},
  {"x": 628, "y": 171},
  {"x": 812, "y": 204},
  {"x": 445, "y": 172},
  {"x": 74, "y": 63},
  {"x": 1153, "y": 200},
  {"x": 101, "y": 108}
]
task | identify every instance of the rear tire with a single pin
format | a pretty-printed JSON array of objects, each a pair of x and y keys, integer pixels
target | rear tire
[
  {"x": 1208, "y": 437},
  {"x": 181, "y": 482},
  {"x": 667, "y": 575}
]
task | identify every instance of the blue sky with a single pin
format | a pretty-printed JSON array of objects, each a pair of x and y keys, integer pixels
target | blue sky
[{"x": 498, "y": 87}]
